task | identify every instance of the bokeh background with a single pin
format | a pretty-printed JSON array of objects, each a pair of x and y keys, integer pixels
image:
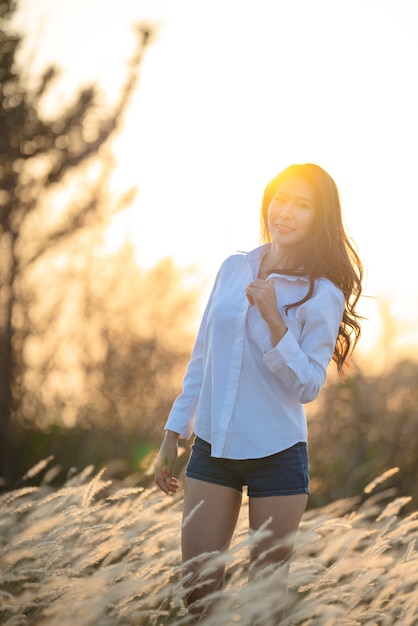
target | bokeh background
[{"x": 136, "y": 140}]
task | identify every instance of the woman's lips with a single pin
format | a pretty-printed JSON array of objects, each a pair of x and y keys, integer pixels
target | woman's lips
[{"x": 282, "y": 228}]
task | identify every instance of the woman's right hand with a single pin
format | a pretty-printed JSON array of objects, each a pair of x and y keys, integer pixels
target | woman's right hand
[{"x": 164, "y": 463}]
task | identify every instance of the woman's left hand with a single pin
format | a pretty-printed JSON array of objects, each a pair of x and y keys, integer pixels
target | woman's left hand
[{"x": 262, "y": 293}]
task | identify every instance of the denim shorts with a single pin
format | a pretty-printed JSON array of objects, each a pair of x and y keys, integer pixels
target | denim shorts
[{"x": 283, "y": 474}]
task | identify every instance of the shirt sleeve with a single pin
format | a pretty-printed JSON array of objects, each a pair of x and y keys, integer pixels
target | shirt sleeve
[
  {"x": 182, "y": 416},
  {"x": 302, "y": 364}
]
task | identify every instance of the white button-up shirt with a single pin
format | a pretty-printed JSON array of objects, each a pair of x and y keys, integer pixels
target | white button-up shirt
[{"x": 240, "y": 393}]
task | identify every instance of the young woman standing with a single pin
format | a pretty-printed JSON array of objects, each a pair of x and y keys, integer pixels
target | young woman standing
[{"x": 275, "y": 319}]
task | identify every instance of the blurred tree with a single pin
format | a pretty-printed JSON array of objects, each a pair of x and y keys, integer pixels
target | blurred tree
[
  {"x": 106, "y": 362},
  {"x": 362, "y": 428},
  {"x": 112, "y": 346},
  {"x": 36, "y": 156},
  {"x": 147, "y": 341}
]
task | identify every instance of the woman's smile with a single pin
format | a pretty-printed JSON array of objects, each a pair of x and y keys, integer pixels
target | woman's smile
[
  {"x": 291, "y": 214},
  {"x": 284, "y": 228}
]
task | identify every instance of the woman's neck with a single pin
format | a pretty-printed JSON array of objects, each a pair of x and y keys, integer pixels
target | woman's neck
[{"x": 276, "y": 258}]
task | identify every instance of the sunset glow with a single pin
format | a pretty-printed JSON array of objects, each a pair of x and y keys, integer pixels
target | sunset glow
[{"x": 230, "y": 93}]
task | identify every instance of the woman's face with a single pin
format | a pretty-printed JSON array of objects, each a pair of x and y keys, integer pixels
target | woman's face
[{"x": 292, "y": 213}]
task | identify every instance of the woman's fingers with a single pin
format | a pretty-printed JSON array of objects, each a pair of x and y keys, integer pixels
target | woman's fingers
[
  {"x": 167, "y": 485},
  {"x": 163, "y": 477},
  {"x": 164, "y": 463},
  {"x": 259, "y": 290}
]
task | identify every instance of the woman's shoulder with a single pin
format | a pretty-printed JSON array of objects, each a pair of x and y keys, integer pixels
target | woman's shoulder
[
  {"x": 230, "y": 265},
  {"x": 233, "y": 260},
  {"x": 242, "y": 257},
  {"x": 325, "y": 287}
]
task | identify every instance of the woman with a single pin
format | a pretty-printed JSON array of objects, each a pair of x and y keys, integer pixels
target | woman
[{"x": 275, "y": 319}]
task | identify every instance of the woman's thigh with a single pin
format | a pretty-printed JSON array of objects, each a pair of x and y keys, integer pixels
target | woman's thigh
[
  {"x": 282, "y": 514},
  {"x": 209, "y": 517}
]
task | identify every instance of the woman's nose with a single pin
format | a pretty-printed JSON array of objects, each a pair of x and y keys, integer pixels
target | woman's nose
[{"x": 285, "y": 210}]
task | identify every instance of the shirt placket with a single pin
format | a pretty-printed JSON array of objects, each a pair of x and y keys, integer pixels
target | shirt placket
[{"x": 220, "y": 441}]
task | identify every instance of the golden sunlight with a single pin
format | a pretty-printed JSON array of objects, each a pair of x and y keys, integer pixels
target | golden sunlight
[{"x": 224, "y": 105}]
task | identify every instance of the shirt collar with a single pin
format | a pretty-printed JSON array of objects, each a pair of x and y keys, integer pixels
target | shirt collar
[{"x": 255, "y": 256}]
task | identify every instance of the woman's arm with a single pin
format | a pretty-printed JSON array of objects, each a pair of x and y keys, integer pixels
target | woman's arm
[
  {"x": 301, "y": 362},
  {"x": 263, "y": 294}
]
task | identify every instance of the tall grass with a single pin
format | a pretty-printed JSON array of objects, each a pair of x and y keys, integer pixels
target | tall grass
[{"x": 96, "y": 552}]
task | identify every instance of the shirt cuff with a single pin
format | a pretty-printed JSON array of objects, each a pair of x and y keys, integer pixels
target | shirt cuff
[
  {"x": 185, "y": 431},
  {"x": 283, "y": 353}
]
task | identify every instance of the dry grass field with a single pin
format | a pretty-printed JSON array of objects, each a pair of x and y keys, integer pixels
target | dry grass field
[{"x": 97, "y": 553}]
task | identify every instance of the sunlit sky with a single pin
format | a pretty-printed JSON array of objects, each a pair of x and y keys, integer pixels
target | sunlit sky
[{"x": 232, "y": 91}]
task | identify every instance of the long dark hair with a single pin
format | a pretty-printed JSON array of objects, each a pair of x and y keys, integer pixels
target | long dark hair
[{"x": 328, "y": 253}]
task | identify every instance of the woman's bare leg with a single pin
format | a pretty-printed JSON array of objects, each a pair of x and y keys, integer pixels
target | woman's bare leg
[
  {"x": 209, "y": 519},
  {"x": 275, "y": 550}
]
